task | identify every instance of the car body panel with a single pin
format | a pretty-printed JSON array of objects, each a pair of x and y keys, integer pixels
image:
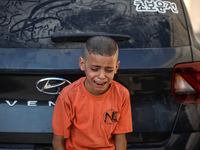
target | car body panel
[{"x": 158, "y": 41}]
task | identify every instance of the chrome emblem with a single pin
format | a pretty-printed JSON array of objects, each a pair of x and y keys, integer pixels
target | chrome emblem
[{"x": 52, "y": 85}]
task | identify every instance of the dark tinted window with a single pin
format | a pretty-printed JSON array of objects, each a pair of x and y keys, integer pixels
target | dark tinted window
[{"x": 30, "y": 24}]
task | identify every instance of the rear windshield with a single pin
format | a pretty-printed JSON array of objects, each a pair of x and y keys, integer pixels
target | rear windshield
[{"x": 149, "y": 23}]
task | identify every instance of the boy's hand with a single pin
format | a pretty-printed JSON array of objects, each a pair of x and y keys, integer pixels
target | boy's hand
[
  {"x": 120, "y": 141},
  {"x": 58, "y": 142}
]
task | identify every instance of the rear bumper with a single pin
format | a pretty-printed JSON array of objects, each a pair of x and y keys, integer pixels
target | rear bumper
[{"x": 178, "y": 141}]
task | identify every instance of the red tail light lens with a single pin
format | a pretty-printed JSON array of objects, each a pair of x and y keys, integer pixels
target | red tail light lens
[{"x": 186, "y": 83}]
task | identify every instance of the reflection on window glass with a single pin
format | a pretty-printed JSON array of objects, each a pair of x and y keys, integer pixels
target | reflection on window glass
[{"x": 194, "y": 11}]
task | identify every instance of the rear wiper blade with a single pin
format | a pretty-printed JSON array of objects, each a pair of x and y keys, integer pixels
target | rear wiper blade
[{"x": 83, "y": 37}]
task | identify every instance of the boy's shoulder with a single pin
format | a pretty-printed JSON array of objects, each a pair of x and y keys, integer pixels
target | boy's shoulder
[
  {"x": 73, "y": 86},
  {"x": 119, "y": 87}
]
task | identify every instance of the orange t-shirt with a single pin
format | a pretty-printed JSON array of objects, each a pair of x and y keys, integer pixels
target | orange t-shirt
[{"x": 88, "y": 121}]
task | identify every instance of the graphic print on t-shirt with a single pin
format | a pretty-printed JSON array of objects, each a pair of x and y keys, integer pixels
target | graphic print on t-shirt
[{"x": 111, "y": 116}]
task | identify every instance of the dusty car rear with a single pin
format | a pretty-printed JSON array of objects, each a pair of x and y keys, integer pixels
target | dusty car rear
[{"x": 41, "y": 42}]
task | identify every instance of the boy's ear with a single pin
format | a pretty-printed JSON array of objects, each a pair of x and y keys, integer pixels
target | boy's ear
[
  {"x": 82, "y": 64},
  {"x": 117, "y": 66}
]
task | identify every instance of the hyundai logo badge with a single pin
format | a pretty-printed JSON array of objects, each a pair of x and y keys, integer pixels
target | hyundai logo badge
[{"x": 52, "y": 85}]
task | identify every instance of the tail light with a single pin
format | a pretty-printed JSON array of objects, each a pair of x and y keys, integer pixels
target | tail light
[{"x": 186, "y": 83}]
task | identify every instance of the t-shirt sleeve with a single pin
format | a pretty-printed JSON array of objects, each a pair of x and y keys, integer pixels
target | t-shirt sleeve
[
  {"x": 124, "y": 124},
  {"x": 61, "y": 120}
]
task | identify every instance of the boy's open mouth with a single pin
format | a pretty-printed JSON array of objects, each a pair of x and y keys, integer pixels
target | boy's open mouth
[{"x": 100, "y": 84}]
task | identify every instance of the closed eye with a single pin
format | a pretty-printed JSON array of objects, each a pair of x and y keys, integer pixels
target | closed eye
[
  {"x": 109, "y": 71},
  {"x": 94, "y": 69}
]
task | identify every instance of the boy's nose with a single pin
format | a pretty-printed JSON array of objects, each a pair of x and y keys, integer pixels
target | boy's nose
[{"x": 102, "y": 74}]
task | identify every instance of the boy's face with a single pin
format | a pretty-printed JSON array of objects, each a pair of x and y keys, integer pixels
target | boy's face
[{"x": 99, "y": 71}]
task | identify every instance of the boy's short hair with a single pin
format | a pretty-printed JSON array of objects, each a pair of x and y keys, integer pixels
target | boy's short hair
[{"x": 100, "y": 45}]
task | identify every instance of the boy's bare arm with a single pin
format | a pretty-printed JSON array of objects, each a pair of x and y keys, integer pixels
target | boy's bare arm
[
  {"x": 120, "y": 141},
  {"x": 58, "y": 142}
]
